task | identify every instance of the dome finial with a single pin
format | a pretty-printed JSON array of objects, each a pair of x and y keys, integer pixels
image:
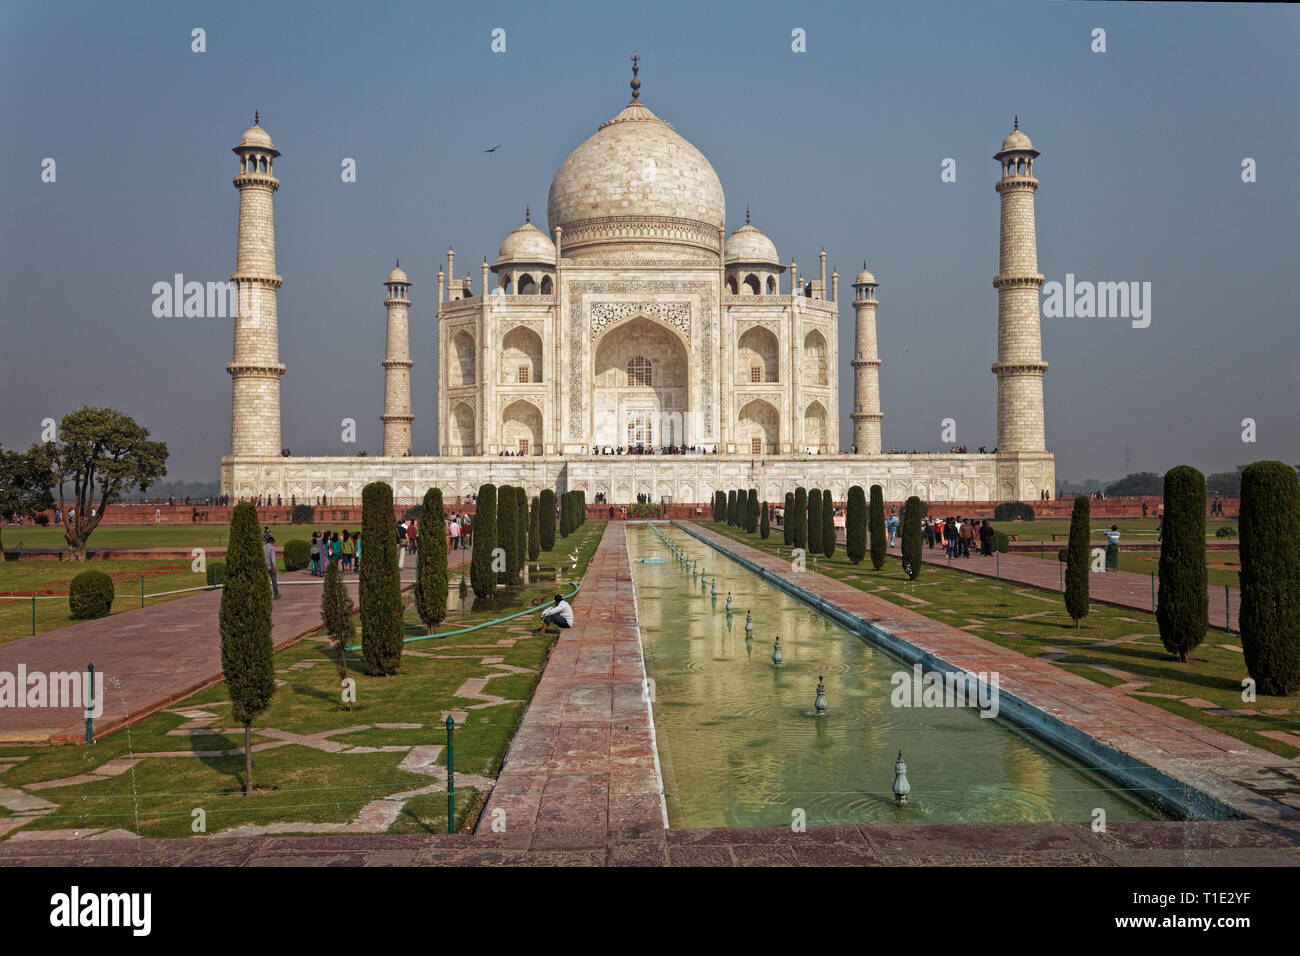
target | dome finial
[
  {"x": 1017, "y": 126},
  {"x": 747, "y": 214},
  {"x": 397, "y": 263},
  {"x": 256, "y": 118},
  {"x": 636, "y": 84},
  {"x": 528, "y": 214}
]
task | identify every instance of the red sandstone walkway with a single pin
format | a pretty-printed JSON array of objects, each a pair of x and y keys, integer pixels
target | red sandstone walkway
[
  {"x": 1254, "y": 782},
  {"x": 1118, "y": 588},
  {"x": 581, "y": 769},
  {"x": 150, "y": 657}
]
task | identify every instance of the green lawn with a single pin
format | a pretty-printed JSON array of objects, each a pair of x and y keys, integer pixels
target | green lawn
[
  {"x": 1035, "y": 623},
  {"x": 1131, "y": 529},
  {"x": 50, "y": 579},
  {"x": 303, "y": 784},
  {"x": 1222, "y": 566},
  {"x": 214, "y": 535}
]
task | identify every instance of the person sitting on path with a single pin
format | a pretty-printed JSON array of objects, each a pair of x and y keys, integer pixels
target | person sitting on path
[{"x": 560, "y": 614}]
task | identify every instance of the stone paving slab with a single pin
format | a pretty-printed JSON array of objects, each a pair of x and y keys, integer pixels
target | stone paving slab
[
  {"x": 582, "y": 764},
  {"x": 151, "y": 657},
  {"x": 1226, "y": 769}
]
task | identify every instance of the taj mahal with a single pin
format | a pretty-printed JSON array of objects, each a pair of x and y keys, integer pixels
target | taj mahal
[{"x": 635, "y": 348}]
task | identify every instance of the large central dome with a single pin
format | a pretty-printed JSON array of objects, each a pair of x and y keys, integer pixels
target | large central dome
[{"x": 637, "y": 188}]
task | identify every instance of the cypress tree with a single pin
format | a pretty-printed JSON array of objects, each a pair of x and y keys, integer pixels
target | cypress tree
[
  {"x": 815, "y": 525},
  {"x": 751, "y": 511},
  {"x": 247, "y": 655},
  {"x": 431, "y": 561},
  {"x": 1269, "y": 523},
  {"x": 481, "y": 576},
  {"x": 521, "y": 522},
  {"x": 1183, "y": 612},
  {"x": 380, "y": 583},
  {"x": 855, "y": 525},
  {"x": 764, "y": 525},
  {"x": 508, "y": 534},
  {"x": 828, "y": 523},
  {"x": 565, "y": 514},
  {"x": 1076, "y": 561},
  {"x": 879, "y": 536},
  {"x": 336, "y": 613},
  {"x": 799, "y": 519},
  {"x": 546, "y": 520},
  {"x": 911, "y": 541},
  {"x": 719, "y": 506},
  {"x": 731, "y": 507},
  {"x": 582, "y": 507},
  {"x": 534, "y": 530},
  {"x": 787, "y": 520}
]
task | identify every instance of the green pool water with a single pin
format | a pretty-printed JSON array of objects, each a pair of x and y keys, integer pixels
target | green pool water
[{"x": 740, "y": 745}]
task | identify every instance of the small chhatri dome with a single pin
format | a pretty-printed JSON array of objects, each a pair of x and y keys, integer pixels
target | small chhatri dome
[
  {"x": 749, "y": 244},
  {"x": 256, "y": 137},
  {"x": 397, "y": 275},
  {"x": 1017, "y": 140},
  {"x": 527, "y": 244},
  {"x": 864, "y": 277}
]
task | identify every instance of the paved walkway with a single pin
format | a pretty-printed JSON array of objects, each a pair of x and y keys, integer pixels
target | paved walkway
[
  {"x": 581, "y": 770},
  {"x": 150, "y": 657},
  {"x": 1252, "y": 781},
  {"x": 1237, "y": 843}
]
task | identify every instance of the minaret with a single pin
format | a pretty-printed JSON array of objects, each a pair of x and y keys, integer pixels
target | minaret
[
  {"x": 866, "y": 367},
  {"x": 397, "y": 364},
  {"x": 255, "y": 370},
  {"x": 1020, "y": 364}
]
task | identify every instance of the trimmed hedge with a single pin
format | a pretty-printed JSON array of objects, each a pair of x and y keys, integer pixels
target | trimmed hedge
[
  {"x": 855, "y": 525},
  {"x": 828, "y": 523},
  {"x": 1183, "y": 609},
  {"x": 546, "y": 519},
  {"x": 764, "y": 528},
  {"x": 380, "y": 584},
  {"x": 1270, "y": 576},
  {"x": 534, "y": 530},
  {"x": 90, "y": 595},
  {"x": 508, "y": 533},
  {"x": 751, "y": 511},
  {"x": 1013, "y": 511},
  {"x": 1076, "y": 562},
  {"x": 879, "y": 536},
  {"x": 431, "y": 575},
  {"x": 297, "y": 554}
]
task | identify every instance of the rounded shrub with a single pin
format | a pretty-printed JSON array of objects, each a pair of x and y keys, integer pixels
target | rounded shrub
[
  {"x": 297, "y": 554},
  {"x": 1013, "y": 511},
  {"x": 546, "y": 519},
  {"x": 90, "y": 595},
  {"x": 910, "y": 543},
  {"x": 303, "y": 514}
]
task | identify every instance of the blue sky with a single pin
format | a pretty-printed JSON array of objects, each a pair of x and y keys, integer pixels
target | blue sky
[{"x": 839, "y": 146}]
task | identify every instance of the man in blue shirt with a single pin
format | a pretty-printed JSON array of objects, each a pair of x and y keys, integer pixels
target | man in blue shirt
[{"x": 268, "y": 552}]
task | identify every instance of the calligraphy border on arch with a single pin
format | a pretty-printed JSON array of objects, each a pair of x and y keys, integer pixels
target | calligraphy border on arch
[{"x": 576, "y": 289}]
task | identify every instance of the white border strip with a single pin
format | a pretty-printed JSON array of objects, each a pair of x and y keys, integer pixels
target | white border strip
[{"x": 649, "y": 707}]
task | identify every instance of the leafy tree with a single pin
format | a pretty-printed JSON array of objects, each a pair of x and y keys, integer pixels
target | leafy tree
[
  {"x": 105, "y": 449},
  {"x": 751, "y": 511},
  {"x": 855, "y": 525},
  {"x": 25, "y": 482},
  {"x": 431, "y": 577},
  {"x": 1076, "y": 562},
  {"x": 546, "y": 520},
  {"x": 828, "y": 523},
  {"x": 1270, "y": 576},
  {"x": 481, "y": 576},
  {"x": 798, "y": 519},
  {"x": 787, "y": 520},
  {"x": 910, "y": 545},
  {"x": 303, "y": 514},
  {"x": 380, "y": 583},
  {"x": 815, "y": 526},
  {"x": 1226, "y": 483},
  {"x": 1183, "y": 611},
  {"x": 764, "y": 526},
  {"x": 879, "y": 536},
  {"x": 244, "y": 622},
  {"x": 534, "y": 530},
  {"x": 508, "y": 534},
  {"x": 336, "y": 613}
]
